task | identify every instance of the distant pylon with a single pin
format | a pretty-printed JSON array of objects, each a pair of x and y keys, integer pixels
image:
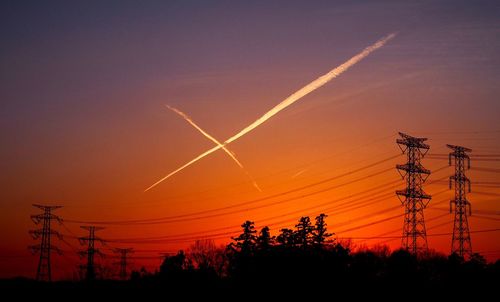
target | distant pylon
[
  {"x": 91, "y": 250},
  {"x": 43, "y": 272},
  {"x": 123, "y": 261},
  {"x": 460, "y": 241},
  {"x": 413, "y": 198}
]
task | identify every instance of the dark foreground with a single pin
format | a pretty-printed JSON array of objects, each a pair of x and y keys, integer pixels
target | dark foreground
[{"x": 289, "y": 273}]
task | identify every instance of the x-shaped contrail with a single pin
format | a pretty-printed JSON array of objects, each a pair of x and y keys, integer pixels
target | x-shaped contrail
[
  {"x": 213, "y": 139},
  {"x": 332, "y": 74}
]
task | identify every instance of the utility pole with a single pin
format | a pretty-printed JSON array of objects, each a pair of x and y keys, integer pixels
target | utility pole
[
  {"x": 123, "y": 261},
  {"x": 91, "y": 250},
  {"x": 460, "y": 241},
  {"x": 413, "y": 197},
  {"x": 43, "y": 272}
]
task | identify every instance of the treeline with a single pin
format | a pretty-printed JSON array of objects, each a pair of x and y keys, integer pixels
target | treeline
[
  {"x": 307, "y": 256},
  {"x": 304, "y": 261}
]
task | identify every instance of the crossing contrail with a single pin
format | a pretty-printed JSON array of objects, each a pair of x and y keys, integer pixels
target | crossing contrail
[
  {"x": 213, "y": 139},
  {"x": 190, "y": 121},
  {"x": 332, "y": 74}
]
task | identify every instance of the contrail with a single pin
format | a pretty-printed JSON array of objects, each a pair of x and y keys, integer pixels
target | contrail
[
  {"x": 312, "y": 86},
  {"x": 332, "y": 74},
  {"x": 213, "y": 139},
  {"x": 299, "y": 173}
]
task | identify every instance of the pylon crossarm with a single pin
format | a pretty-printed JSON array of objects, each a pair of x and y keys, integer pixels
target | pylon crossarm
[
  {"x": 35, "y": 234},
  {"x": 403, "y": 150},
  {"x": 425, "y": 152},
  {"x": 55, "y": 248},
  {"x": 424, "y": 178},
  {"x": 37, "y": 218},
  {"x": 43, "y": 207},
  {"x": 403, "y": 176}
]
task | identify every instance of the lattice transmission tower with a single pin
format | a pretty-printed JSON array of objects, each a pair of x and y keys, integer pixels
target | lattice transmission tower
[
  {"x": 413, "y": 197},
  {"x": 460, "y": 241},
  {"x": 123, "y": 252},
  {"x": 91, "y": 251},
  {"x": 43, "y": 272}
]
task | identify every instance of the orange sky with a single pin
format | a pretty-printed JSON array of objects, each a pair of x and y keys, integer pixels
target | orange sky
[{"x": 93, "y": 145}]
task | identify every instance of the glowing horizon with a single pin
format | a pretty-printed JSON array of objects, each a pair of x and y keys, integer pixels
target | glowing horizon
[{"x": 84, "y": 124}]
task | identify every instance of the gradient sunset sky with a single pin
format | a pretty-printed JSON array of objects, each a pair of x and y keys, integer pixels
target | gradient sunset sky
[{"x": 83, "y": 123}]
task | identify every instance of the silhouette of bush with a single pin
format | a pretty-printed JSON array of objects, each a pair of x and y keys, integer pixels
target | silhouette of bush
[{"x": 303, "y": 260}]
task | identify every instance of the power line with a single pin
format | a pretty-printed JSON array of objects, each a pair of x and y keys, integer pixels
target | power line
[
  {"x": 487, "y": 212},
  {"x": 286, "y": 214},
  {"x": 344, "y": 207},
  {"x": 445, "y": 155},
  {"x": 159, "y": 221},
  {"x": 482, "y": 169},
  {"x": 485, "y": 193},
  {"x": 274, "y": 203},
  {"x": 476, "y": 231},
  {"x": 429, "y": 220},
  {"x": 171, "y": 237},
  {"x": 485, "y": 217},
  {"x": 281, "y": 193}
]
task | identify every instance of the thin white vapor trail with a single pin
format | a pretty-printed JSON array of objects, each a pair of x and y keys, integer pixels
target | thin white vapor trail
[
  {"x": 311, "y": 87},
  {"x": 332, "y": 74},
  {"x": 213, "y": 139},
  {"x": 299, "y": 173}
]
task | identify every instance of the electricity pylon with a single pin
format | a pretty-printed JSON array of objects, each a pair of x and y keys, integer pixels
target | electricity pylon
[
  {"x": 43, "y": 272},
  {"x": 91, "y": 250},
  {"x": 460, "y": 241},
  {"x": 413, "y": 197},
  {"x": 123, "y": 261}
]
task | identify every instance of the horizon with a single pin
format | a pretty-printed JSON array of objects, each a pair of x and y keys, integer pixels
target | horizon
[{"x": 84, "y": 88}]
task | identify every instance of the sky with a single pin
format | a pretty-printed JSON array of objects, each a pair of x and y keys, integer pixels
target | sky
[{"x": 83, "y": 122}]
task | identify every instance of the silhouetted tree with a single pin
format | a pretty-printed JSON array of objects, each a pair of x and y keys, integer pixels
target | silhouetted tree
[
  {"x": 402, "y": 265},
  {"x": 106, "y": 272},
  {"x": 203, "y": 254},
  {"x": 478, "y": 260},
  {"x": 140, "y": 274},
  {"x": 455, "y": 259},
  {"x": 303, "y": 234},
  {"x": 475, "y": 265},
  {"x": 319, "y": 233},
  {"x": 245, "y": 242},
  {"x": 174, "y": 265},
  {"x": 382, "y": 251},
  {"x": 286, "y": 238},
  {"x": 265, "y": 240},
  {"x": 366, "y": 264},
  {"x": 222, "y": 262}
]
